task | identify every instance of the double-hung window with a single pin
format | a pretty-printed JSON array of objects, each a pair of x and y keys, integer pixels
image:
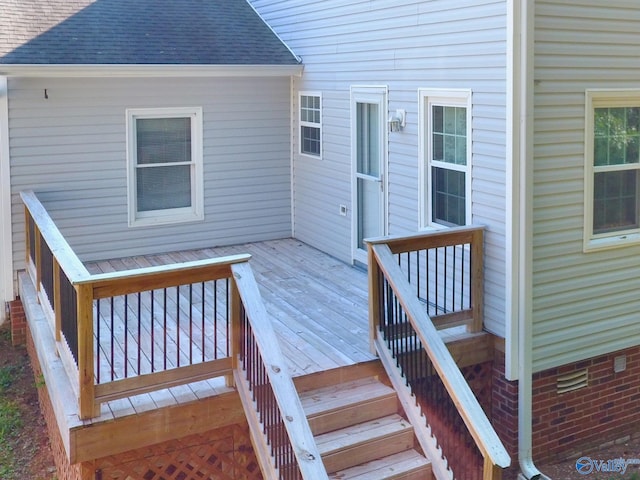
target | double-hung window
[
  {"x": 164, "y": 150},
  {"x": 612, "y": 169},
  {"x": 311, "y": 124},
  {"x": 445, "y": 152}
]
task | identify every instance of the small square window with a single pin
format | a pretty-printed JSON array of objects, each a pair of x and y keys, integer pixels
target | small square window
[{"x": 310, "y": 124}]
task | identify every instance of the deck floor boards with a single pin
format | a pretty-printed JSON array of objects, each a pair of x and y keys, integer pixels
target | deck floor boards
[{"x": 317, "y": 303}]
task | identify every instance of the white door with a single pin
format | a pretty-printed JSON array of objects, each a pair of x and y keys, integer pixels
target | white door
[{"x": 369, "y": 154}]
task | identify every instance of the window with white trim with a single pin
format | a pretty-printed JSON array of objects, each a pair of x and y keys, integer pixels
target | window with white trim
[
  {"x": 612, "y": 169},
  {"x": 445, "y": 152},
  {"x": 164, "y": 156},
  {"x": 311, "y": 124}
]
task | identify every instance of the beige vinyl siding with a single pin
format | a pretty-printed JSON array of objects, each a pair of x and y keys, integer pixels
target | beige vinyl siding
[
  {"x": 404, "y": 45},
  {"x": 584, "y": 304},
  {"x": 71, "y": 150}
]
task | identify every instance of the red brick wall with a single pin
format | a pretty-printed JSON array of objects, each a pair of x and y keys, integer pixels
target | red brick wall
[
  {"x": 504, "y": 408},
  {"x": 607, "y": 409},
  {"x": 64, "y": 470},
  {"x": 571, "y": 423},
  {"x": 18, "y": 323}
]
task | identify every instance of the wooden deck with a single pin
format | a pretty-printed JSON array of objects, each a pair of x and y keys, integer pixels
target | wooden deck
[{"x": 318, "y": 306}]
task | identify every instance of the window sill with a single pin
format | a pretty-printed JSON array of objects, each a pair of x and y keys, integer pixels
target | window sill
[
  {"x": 608, "y": 243},
  {"x": 166, "y": 219}
]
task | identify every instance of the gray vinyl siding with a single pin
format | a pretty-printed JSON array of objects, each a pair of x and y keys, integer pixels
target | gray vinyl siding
[
  {"x": 584, "y": 304},
  {"x": 405, "y": 45},
  {"x": 71, "y": 150}
]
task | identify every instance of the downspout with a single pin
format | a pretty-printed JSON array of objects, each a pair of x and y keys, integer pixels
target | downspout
[
  {"x": 6, "y": 251},
  {"x": 524, "y": 11}
]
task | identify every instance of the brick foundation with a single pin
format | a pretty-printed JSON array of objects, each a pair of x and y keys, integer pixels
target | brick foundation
[
  {"x": 64, "y": 470},
  {"x": 18, "y": 323},
  {"x": 504, "y": 408},
  {"x": 607, "y": 409},
  {"x": 221, "y": 454},
  {"x": 567, "y": 424}
]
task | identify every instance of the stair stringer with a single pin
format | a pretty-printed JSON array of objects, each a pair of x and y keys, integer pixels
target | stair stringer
[{"x": 426, "y": 439}]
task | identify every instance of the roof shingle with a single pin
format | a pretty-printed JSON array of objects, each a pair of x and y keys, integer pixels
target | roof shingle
[{"x": 130, "y": 32}]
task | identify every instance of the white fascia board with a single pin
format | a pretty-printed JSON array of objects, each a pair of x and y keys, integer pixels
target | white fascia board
[{"x": 151, "y": 70}]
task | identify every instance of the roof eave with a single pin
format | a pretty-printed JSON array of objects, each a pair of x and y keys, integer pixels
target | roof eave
[{"x": 120, "y": 70}]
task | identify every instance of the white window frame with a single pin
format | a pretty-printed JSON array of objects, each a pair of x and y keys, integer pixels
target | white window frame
[
  {"x": 427, "y": 97},
  {"x": 308, "y": 124},
  {"x": 195, "y": 212},
  {"x": 602, "y": 98}
]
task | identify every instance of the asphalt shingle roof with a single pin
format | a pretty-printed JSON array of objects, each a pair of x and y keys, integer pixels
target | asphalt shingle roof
[{"x": 150, "y": 32}]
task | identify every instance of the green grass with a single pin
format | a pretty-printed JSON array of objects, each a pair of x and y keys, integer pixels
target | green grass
[
  {"x": 10, "y": 422},
  {"x": 7, "y": 376}
]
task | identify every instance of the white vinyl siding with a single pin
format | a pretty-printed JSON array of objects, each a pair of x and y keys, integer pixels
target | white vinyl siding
[
  {"x": 584, "y": 304},
  {"x": 71, "y": 150},
  {"x": 404, "y": 45}
]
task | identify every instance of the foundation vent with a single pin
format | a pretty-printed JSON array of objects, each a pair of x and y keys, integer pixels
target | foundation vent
[{"x": 572, "y": 381}]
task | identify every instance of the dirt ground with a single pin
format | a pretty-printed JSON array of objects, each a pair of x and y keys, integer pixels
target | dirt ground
[
  {"x": 32, "y": 458},
  {"x": 27, "y": 453}
]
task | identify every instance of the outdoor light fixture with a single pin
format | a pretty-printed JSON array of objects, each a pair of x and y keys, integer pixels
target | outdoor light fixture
[{"x": 397, "y": 120}]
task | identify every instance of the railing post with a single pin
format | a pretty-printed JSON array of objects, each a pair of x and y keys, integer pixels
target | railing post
[
  {"x": 374, "y": 297},
  {"x": 477, "y": 285},
  {"x": 87, "y": 403},
  {"x": 234, "y": 328},
  {"x": 57, "y": 300},
  {"x": 27, "y": 236},
  {"x": 491, "y": 471},
  {"x": 38, "y": 260}
]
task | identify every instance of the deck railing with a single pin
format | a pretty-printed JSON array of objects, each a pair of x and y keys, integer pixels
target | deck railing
[
  {"x": 411, "y": 279},
  {"x": 286, "y": 447},
  {"x": 128, "y": 332}
]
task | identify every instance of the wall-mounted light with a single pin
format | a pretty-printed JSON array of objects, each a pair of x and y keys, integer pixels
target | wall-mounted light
[{"x": 397, "y": 120}]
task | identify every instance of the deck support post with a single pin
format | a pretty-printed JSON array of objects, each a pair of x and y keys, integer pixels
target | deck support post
[
  {"x": 57, "y": 300},
  {"x": 491, "y": 471},
  {"x": 477, "y": 292},
  {"x": 374, "y": 298},
  {"x": 87, "y": 401},
  {"x": 234, "y": 330}
]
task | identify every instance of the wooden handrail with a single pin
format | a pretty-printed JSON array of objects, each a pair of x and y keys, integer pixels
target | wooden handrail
[
  {"x": 65, "y": 256},
  {"x": 122, "y": 282},
  {"x": 467, "y": 405},
  {"x": 288, "y": 402}
]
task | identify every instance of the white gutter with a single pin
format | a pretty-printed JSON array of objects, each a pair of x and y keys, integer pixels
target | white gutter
[
  {"x": 6, "y": 247},
  {"x": 121, "y": 70},
  {"x": 523, "y": 16}
]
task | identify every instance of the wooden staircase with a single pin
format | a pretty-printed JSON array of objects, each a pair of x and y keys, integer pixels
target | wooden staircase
[{"x": 361, "y": 432}]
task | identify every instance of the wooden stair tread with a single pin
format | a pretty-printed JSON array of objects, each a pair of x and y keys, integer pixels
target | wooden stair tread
[
  {"x": 385, "y": 427},
  {"x": 365, "y": 442},
  {"x": 407, "y": 465},
  {"x": 338, "y": 396}
]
